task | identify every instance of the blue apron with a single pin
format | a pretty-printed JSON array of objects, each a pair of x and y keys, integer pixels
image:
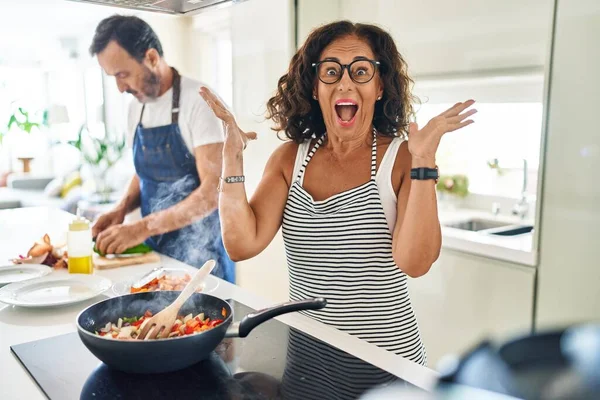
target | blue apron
[{"x": 168, "y": 174}]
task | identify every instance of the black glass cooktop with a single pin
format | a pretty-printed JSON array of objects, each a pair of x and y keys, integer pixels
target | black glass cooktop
[{"x": 273, "y": 362}]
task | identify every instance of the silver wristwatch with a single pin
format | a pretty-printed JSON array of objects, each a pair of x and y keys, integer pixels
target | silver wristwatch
[{"x": 230, "y": 179}]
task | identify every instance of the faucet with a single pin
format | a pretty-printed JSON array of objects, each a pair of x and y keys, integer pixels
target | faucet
[
  {"x": 495, "y": 208},
  {"x": 521, "y": 208}
]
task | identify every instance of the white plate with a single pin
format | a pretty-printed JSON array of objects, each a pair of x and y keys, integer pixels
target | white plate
[
  {"x": 22, "y": 272},
  {"x": 120, "y": 288},
  {"x": 54, "y": 291}
]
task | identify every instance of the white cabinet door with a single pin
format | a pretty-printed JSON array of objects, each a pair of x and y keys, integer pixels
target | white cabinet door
[{"x": 465, "y": 299}]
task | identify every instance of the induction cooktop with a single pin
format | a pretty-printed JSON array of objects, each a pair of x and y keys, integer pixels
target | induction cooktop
[{"x": 273, "y": 362}]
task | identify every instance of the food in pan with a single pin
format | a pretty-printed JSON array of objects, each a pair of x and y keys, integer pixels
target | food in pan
[
  {"x": 165, "y": 282},
  {"x": 128, "y": 328}
]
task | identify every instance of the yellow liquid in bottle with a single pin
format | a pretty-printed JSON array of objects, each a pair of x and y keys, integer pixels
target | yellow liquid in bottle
[{"x": 81, "y": 265}]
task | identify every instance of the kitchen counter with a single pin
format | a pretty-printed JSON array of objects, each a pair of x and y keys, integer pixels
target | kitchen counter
[
  {"x": 19, "y": 228},
  {"x": 516, "y": 249}
]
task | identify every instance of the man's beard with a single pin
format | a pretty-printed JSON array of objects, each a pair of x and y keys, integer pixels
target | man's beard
[{"x": 150, "y": 87}]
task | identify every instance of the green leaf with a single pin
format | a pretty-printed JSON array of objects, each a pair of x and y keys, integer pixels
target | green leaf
[{"x": 12, "y": 121}]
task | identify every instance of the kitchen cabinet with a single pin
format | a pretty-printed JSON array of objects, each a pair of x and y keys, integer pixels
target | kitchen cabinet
[
  {"x": 437, "y": 39},
  {"x": 267, "y": 273},
  {"x": 466, "y": 298}
]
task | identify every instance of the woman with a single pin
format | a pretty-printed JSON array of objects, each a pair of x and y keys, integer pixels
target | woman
[{"x": 354, "y": 222}]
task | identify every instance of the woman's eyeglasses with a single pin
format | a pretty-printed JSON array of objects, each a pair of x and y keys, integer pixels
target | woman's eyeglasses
[{"x": 360, "y": 71}]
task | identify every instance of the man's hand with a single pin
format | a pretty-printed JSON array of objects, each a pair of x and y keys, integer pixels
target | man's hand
[
  {"x": 118, "y": 238},
  {"x": 107, "y": 220}
]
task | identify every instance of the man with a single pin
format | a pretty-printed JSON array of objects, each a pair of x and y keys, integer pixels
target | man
[{"x": 177, "y": 148}]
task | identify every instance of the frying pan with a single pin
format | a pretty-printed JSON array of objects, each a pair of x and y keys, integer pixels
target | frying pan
[{"x": 172, "y": 354}]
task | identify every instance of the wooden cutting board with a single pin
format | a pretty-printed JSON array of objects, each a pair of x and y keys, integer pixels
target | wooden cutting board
[{"x": 116, "y": 262}]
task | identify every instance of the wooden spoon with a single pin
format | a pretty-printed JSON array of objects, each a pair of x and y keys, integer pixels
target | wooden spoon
[{"x": 162, "y": 322}]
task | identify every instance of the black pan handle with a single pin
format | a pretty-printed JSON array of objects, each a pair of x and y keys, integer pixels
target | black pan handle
[{"x": 251, "y": 321}]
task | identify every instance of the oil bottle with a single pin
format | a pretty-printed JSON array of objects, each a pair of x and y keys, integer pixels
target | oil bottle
[{"x": 79, "y": 246}]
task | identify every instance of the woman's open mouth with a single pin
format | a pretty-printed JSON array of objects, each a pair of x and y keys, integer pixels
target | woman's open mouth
[{"x": 346, "y": 110}]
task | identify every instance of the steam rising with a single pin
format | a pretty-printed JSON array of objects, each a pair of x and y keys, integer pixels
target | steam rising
[{"x": 196, "y": 243}]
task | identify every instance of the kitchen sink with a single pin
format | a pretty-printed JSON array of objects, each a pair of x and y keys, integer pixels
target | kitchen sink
[
  {"x": 478, "y": 224},
  {"x": 513, "y": 231}
]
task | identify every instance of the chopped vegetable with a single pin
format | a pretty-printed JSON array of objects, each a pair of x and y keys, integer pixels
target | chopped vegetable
[
  {"x": 127, "y": 328},
  {"x": 44, "y": 252},
  {"x": 192, "y": 323},
  {"x": 139, "y": 249},
  {"x": 130, "y": 320}
]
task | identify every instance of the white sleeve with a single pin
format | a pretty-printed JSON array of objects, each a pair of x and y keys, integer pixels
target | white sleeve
[
  {"x": 132, "y": 121},
  {"x": 204, "y": 126}
]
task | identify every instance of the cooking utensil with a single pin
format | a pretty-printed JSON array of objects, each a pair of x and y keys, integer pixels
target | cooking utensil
[
  {"x": 162, "y": 322},
  {"x": 140, "y": 356}
]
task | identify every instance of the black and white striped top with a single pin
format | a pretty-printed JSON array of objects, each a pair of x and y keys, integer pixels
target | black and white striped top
[
  {"x": 317, "y": 371},
  {"x": 341, "y": 249}
]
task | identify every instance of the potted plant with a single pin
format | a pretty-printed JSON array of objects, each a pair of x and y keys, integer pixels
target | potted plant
[
  {"x": 20, "y": 120},
  {"x": 452, "y": 188},
  {"x": 494, "y": 165},
  {"x": 99, "y": 154}
]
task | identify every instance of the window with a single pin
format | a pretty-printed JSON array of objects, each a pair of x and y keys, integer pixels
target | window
[{"x": 508, "y": 127}]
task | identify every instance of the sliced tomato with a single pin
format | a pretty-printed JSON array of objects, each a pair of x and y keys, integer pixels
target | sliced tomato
[
  {"x": 175, "y": 328},
  {"x": 214, "y": 323},
  {"x": 148, "y": 314},
  {"x": 138, "y": 322},
  {"x": 188, "y": 330}
]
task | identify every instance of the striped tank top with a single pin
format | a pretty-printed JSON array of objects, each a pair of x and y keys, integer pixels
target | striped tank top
[{"x": 340, "y": 248}]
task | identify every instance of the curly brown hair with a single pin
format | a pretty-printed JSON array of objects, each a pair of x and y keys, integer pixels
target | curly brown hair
[{"x": 296, "y": 113}]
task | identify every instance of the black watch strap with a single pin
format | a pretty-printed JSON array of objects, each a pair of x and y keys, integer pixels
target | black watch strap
[{"x": 424, "y": 174}]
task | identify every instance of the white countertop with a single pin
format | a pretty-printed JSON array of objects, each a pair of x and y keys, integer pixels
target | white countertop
[
  {"x": 515, "y": 249},
  {"x": 19, "y": 228}
]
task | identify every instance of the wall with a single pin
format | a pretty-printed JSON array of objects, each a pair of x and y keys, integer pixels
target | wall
[
  {"x": 262, "y": 49},
  {"x": 569, "y": 275}
]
